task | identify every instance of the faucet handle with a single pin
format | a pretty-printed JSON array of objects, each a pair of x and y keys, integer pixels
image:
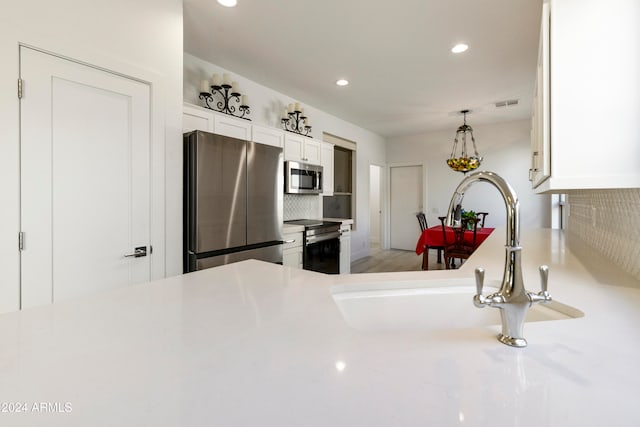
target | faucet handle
[
  {"x": 479, "y": 280},
  {"x": 478, "y": 300},
  {"x": 544, "y": 277}
]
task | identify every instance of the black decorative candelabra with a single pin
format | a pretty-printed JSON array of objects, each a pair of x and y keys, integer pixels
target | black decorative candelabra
[
  {"x": 229, "y": 93},
  {"x": 294, "y": 120}
]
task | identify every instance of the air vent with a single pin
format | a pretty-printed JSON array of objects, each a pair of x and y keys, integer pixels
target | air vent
[{"x": 507, "y": 103}]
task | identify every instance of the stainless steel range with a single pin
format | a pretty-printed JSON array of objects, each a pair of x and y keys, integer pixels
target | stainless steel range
[{"x": 321, "y": 245}]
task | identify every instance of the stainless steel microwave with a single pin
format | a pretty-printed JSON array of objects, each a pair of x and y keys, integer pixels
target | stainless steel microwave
[{"x": 302, "y": 178}]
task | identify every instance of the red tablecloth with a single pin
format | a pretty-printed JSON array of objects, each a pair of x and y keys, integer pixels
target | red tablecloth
[{"x": 432, "y": 236}]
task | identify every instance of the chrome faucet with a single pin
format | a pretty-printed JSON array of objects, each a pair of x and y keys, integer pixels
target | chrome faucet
[{"x": 512, "y": 298}]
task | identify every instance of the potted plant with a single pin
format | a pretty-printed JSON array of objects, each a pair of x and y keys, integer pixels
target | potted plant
[{"x": 470, "y": 217}]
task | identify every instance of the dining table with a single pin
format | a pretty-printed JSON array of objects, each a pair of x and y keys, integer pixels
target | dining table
[{"x": 432, "y": 237}]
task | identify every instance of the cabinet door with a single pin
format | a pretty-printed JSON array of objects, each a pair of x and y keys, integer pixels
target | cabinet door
[
  {"x": 229, "y": 126},
  {"x": 268, "y": 136},
  {"x": 312, "y": 151},
  {"x": 292, "y": 240},
  {"x": 292, "y": 250},
  {"x": 292, "y": 258},
  {"x": 541, "y": 130},
  {"x": 327, "y": 169},
  {"x": 196, "y": 118},
  {"x": 593, "y": 55},
  {"x": 294, "y": 147},
  {"x": 345, "y": 249}
]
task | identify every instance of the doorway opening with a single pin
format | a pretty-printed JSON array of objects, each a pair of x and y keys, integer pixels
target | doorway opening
[{"x": 406, "y": 199}]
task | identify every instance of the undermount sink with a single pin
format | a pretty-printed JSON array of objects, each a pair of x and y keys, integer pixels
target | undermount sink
[{"x": 433, "y": 304}]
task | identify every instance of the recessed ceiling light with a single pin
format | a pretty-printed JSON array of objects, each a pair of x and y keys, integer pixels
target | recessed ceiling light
[
  {"x": 461, "y": 47},
  {"x": 342, "y": 82},
  {"x": 228, "y": 3}
]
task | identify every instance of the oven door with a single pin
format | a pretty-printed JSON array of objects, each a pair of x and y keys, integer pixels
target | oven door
[{"x": 322, "y": 253}]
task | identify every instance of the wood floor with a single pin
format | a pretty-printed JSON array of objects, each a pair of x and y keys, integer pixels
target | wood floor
[{"x": 388, "y": 260}]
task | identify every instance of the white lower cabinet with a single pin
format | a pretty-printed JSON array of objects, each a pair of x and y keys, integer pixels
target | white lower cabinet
[
  {"x": 292, "y": 250},
  {"x": 345, "y": 249}
]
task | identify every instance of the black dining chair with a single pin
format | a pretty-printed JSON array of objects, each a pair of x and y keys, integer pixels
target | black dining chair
[
  {"x": 422, "y": 220},
  {"x": 482, "y": 216},
  {"x": 458, "y": 248}
]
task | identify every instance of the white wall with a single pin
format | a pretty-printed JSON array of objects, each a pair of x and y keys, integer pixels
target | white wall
[
  {"x": 141, "y": 39},
  {"x": 506, "y": 151},
  {"x": 616, "y": 231},
  {"x": 266, "y": 108}
]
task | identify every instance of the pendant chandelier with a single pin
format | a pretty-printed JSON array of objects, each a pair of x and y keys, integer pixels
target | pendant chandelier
[{"x": 464, "y": 163}]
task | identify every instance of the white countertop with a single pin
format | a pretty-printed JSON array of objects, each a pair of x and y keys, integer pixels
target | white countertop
[{"x": 256, "y": 344}]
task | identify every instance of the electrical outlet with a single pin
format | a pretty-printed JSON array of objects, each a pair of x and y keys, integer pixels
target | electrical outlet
[{"x": 593, "y": 216}]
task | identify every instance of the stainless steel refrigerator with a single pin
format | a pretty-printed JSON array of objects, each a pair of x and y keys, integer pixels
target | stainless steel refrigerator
[{"x": 233, "y": 192}]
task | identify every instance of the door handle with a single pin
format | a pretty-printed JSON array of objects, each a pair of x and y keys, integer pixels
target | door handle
[{"x": 138, "y": 252}]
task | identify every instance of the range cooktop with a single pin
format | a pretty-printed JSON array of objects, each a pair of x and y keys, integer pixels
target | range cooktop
[{"x": 306, "y": 222}]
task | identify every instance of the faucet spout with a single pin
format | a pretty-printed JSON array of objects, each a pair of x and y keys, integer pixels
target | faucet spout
[
  {"x": 512, "y": 298},
  {"x": 508, "y": 194}
]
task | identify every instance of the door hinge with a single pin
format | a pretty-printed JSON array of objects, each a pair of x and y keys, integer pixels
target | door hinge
[
  {"x": 19, "y": 88},
  {"x": 21, "y": 241}
]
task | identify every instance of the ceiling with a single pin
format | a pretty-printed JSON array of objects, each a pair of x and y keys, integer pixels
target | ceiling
[{"x": 396, "y": 54}]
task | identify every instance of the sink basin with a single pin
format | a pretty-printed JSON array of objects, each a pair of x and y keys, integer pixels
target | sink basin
[{"x": 437, "y": 304}]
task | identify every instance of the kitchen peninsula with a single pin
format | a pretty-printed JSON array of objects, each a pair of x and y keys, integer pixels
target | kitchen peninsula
[{"x": 254, "y": 343}]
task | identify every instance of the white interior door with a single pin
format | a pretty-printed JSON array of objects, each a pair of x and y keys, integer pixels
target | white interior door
[
  {"x": 406, "y": 190},
  {"x": 85, "y": 177},
  {"x": 375, "y": 205}
]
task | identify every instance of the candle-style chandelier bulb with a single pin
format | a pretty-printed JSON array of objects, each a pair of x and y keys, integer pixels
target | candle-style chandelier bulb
[{"x": 464, "y": 163}]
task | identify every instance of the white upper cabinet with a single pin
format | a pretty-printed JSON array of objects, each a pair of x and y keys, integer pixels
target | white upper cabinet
[
  {"x": 231, "y": 126},
  {"x": 196, "y": 118},
  {"x": 296, "y": 147},
  {"x": 268, "y": 135},
  {"x": 312, "y": 151},
  {"x": 199, "y": 118},
  {"x": 301, "y": 149},
  {"x": 585, "y": 132},
  {"x": 293, "y": 147},
  {"x": 327, "y": 169},
  {"x": 540, "y": 131}
]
